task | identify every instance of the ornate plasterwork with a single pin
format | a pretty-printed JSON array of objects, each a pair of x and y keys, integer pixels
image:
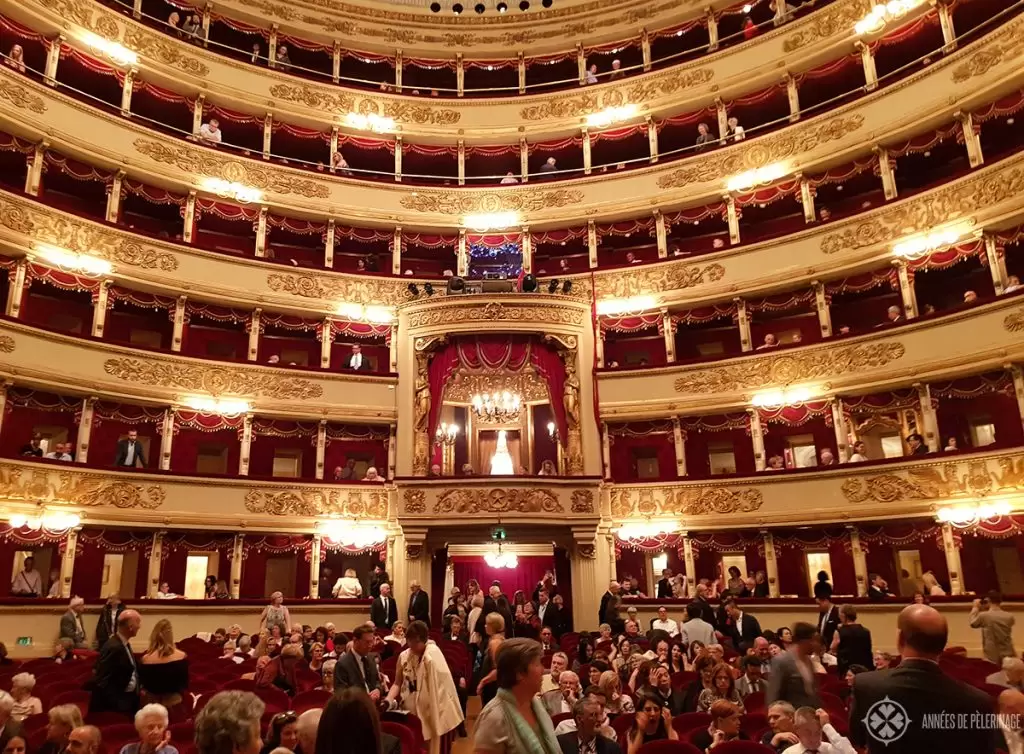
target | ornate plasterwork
[
  {"x": 582, "y": 501},
  {"x": 589, "y": 102},
  {"x": 1014, "y": 321},
  {"x": 42, "y": 224},
  {"x": 201, "y": 162},
  {"x": 938, "y": 481},
  {"x": 495, "y": 311},
  {"x": 335, "y": 102},
  {"x": 21, "y": 98},
  {"x": 1007, "y": 46},
  {"x": 464, "y": 385},
  {"x": 699, "y": 500},
  {"x": 280, "y": 501},
  {"x": 665, "y": 277},
  {"x": 461, "y": 202},
  {"x": 6, "y": 344},
  {"x": 79, "y": 488},
  {"x": 835, "y": 20},
  {"x": 470, "y": 501},
  {"x": 768, "y": 371},
  {"x": 761, "y": 152},
  {"x": 381, "y": 292},
  {"x": 930, "y": 211},
  {"x": 214, "y": 380},
  {"x": 414, "y": 501}
]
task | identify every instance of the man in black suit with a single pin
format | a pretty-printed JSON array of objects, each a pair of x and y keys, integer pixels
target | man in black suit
[
  {"x": 878, "y": 590},
  {"x": 587, "y": 714},
  {"x": 356, "y": 361},
  {"x": 741, "y": 627},
  {"x": 115, "y": 680},
  {"x": 546, "y": 583},
  {"x": 706, "y": 612},
  {"x": 547, "y": 612},
  {"x": 383, "y": 610},
  {"x": 828, "y": 620},
  {"x": 356, "y": 668},
  {"x": 106, "y": 626},
  {"x": 419, "y": 604},
  {"x": 130, "y": 452},
  {"x": 908, "y": 709},
  {"x": 610, "y": 595},
  {"x": 379, "y": 575},
  {"x": 665, "y": 585}
]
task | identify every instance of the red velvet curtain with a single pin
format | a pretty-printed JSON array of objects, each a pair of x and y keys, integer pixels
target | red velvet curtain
[{"x": 530, "y": 571}]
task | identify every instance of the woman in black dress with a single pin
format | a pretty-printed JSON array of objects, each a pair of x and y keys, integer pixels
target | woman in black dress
[{"x": 488, "y": 686}]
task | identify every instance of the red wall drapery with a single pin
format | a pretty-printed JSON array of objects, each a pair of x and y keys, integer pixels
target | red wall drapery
[{"x": 525, "y": 577}]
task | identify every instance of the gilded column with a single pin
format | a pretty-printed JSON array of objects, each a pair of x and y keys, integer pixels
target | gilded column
[
  {"x": 329, "y": 245},
  {"x": 581, "y": 64},
  {"x": 679, "y": 444},
  {"x": 652, "y": 138},
  {"x": 243, "y": 456},
  {"x": 53, "y": 60},
  {"x": 462, "y": 162},
  {"x": 599, "y": 347},
  {"x": 166, "y": 439},
  {"x": 460, "y": 75},
  {"x": 272, "y": 46},
  {"x": 114, "y": 197},
  {"x": 462, "y": 255},
  {"x": 996, "y": 258},
  {"x": 793, "y": 95},
  {"x": 99, "y": 308},
  {"x": 336, "y": 62},
  {"x": 392, "y": 450},
  {"x": 521, "y": 67},
  {"x": 321, "y": 447},
  {"x": 606, "y": 451},
  {"x": 137, "y": 9},
  {"x": 952, "y": 550},
  {"x": 197, "y": 114},
  {"x": 237, "y": 558},
  {"x": 928, "y": 417},
  {"x": 972, "y": 141},
  {"x": 886, "y": 172},
  {"x": 399, "y": 69},
  {"x": 661, "y": 234},
  {"x": 326, "y": 341},
  {"x": 593, "y": 566},
  {"x": 1018, "y": 388},
  {"x": 709, "y": 15},
  {"x": 592, "y": 243},
  {"x": 588, "y": 160},
  {"x": 3, "y": 401},
  {"x": 84, "y": 429},
  {"x": 393, "y": 348},
  {"x": 668, "y": 329},
  {"x": 16, "y": 293},
  {"x": 261, "y": 233},
  {"x": 189, "y": 217},
  {"x": 255, "y": 328},
  {"x": 860, "y": 562},
  {"x": 206, "y": 20},
  {"x": 723, "y": 118},
  {"x": 179, "y": 324},
  {"x": 771, "y": 564},
  {"x": 839, "y": 427},
  {"x": 524, "y": 161},
  {"x": 733, "y": 217},
  {"x": 645, "y": 48},
  {"x": 334, "y": 149},
  {"x": 690, "y": 562},
  {"x": 34, "y": 177},
  {"x": 907, "y": 293},
  {"x": 807, "y": 198},
  {"x": 867, "y": 59},
  {"x": 757, "y": 438},
  {"x": 824, "y": 313},
  {"x": 527, "y": 245},
  {"x": 396, "y": 252},
  {"x": 314, "y": 566},
  {"x": 946, "y": 22},
  {"x": 743, "y": 322},
  {"x": 126, "y": 92},
  {"x": 67, "y": 562},
  {"x": 155, "y": 557},
  {"x": 398, "y": 159}
]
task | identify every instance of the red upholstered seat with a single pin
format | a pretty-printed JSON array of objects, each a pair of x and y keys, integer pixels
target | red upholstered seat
[
  {"x": 743, "y": 747},
  {"x": 668, "y": 747},
  {"x": 754, "y": 702},
  {"x": 683, "y": 678},
  {"x": 403, "y": 734},
  {"x": 116, "y": 736},
  {"x": 753, "y": 721},
  {"x": 307, "y": 700},
  {"x": 622, "y": 724},
  {"x": 556, "y": 719},
  {"x": 410, "y": 722},
  {"x": 238, "y": 684},
  {"x": 275, "y": 699},
  {"x": 688, "y": 721},
  {"x": 78, "y": 697}
]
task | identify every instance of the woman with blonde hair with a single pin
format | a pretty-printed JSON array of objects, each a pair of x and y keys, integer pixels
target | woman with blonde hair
[
  {"x": 931, "y": 585},
  {"x": 476, "y": 607},
  {"x": 348, "y": 586},
  {"x": 495, "y": 626},
  {"x": 24, "y": 703},
  {"x": 616, "y": 702},
  {"x": 63, "y": 719},
  {"x": 275, "y": 614},
  {"x": 163, "y": 669}
]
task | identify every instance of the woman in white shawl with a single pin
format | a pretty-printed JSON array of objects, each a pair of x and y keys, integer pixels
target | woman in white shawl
[{"x": 426, "y": 687}]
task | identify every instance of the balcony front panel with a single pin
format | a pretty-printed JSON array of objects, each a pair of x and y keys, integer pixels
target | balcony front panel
[
  {"x": 891, "y": 491},
  {"x": 971, "y": 341},
  {"x": 975, "y": 75},
  {"x": 33, "y": 355}
]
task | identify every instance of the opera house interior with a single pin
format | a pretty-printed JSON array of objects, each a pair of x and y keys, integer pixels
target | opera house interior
[{"x": 551, "y": 292}]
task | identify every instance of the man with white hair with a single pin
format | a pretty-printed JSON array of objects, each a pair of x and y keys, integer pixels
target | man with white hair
[
  {"x": 151, "y": 722},
  {"x": 85, "y": 739},
  {"x": 307, "y": 725},
  {"x": 1011, "y": 676},
  {"x": 230, "y": 724},
  {"x": 1010, "y": 717},
  {"x": 9, "y": 727},
  {"x": 565, "y": 696},
  {"x": 71, "y": 626},
  {"x": 610, "y": 602},
  {"x": 559, "y": 664}
]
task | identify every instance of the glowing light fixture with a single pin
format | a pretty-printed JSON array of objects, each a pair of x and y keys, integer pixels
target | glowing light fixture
[
  {"x": 883, "y": 13},
  {"x": 73, "y": 261},
  {"x": 219, "y": 406},
  {"x": 371, "y": 122},
  {"x": 446, "y": 434},
  {"x": 501, "y": 559},
  {"x": 484, "y": 221},
  {"x": 756, "y": 176},
  {"x": 969, "y": 513},
  {"x": 380, "y": 315},
  {"x": 501, "y": 406},
  {"x": 646, "y": 530},
  {"x": 915, "y": 246},
  {"x": 611, "y": 307},
  {"x": 352, "y": 534},
  {"x": 113, "y": 50},
  {"x": 50, "y": 521},
  {"x": 611, "y": 115},
  {"x": 786, "y": 397},
  {"x": 552, "y": 431},
  {"x": 231, "y": 190}
]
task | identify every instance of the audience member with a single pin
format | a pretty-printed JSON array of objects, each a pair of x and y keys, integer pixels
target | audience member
[
  {"x": 585, "y": 737},
  {"x": 752, "y": 681},
  {"x": 1010, "y": 718},
  {"x": 723, "y": 687},
  {"x": 28, "y": 582},
  {"x": 85, "y": 739},
  {"x": 106, "y": 625},
  {"x": 741, "y": 627},
  {"x": 878, "y": 589},
  {"x": 516, "y": 720},
  {"x": 10, "y": 723},
  {"x": 916, "y": 444},
  {"x": 996, "y": 627},
  {"x": 591, "y": 75},
  {"x": 129, "y": 451},
  {"x": 770, "y": 341},
  {"x": 780, "y": 735},
  {"x": 734, "y": 131},
  {"x": 71, "y": 625},
  {"x": 16, "y": 59},
  {"x": 151, "y": 722},
  {"x": 1011, "y": 676},
  {"x": 695, "y": 628},
  {"x": 34, "y": 447},
  {"x": 792, "y": 675},
  {"x": 663, "y": 622},
  {"x": 61, "y": 452},
  {"x": 356, "y": 667},
  {"x": 951, "y": 444},
  {"x": 970, "y": 297},
  {"x": 192, "y": 26},
  {"x": 816, "y": 734},
  {"x": 275, "y": 614},
  {"x": 852, "y": 642},
  {"x": 1012, "y": 284},
  {"x": 704, "y": 137},
  {"x": 306, "y": 727},
  {"x": 115, "y": 681},
  {"x": 63, "y": 719},
  {"x": 652, "y": 723},
  {"x": 826, "y": 458},
  {"x": 230, "y": 724},
  {"x": 859, "y": 452},
  {"x": 724, "y": 727},
  {"x": 348, "y": 586},
  {"x": 549, "y": 166},
  {"x": 373, "y": 476},
  {"x": 24, "y": 704},
  {"x": 350, "y": 725},
  {"x": 617, "y": 73},
  {"x": 283, "y": 731},
  {"x": 509, "y": 179},
  {"x": 209, "y": 132},
  {"x": 931, "y": 585},
  {"x": 776, "y": 463}
]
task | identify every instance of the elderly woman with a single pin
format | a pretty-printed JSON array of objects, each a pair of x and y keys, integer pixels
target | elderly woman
[
  {"x": 62, "y": 720},
  {"x": 348, "y": 586},
  {"x": 397, "y": 634},
  {"x": 24, "y": 703},
  {"x": 276, "y": 614},
  {"x": 229, "y": 724},
  {"x": 515, "y": 721},
  {"x": 151, "y": 722},
  {"x": 327, "y": 674},
  {"x": 229, "y": 653},
  {"x": 64, "y": 651},
  {"x": 372, "y": 475}
]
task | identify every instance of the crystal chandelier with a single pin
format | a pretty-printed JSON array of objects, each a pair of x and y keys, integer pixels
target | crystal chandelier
[
  {"x": 446, "y": 434},
  {"x": 503, "y": 405},
  {"x": 501, "y": 559}
]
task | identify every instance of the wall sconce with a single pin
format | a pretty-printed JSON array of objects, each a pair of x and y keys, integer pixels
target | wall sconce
[{"x": 446, "y": 434}]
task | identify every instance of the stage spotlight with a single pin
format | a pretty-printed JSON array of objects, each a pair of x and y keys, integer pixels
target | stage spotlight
[
  {"x": 479, "y": 8},
  {"x": 429, "y": 289},
  {"x": 529, "y": 284},
  {"x": 456, "y": 285},
  {"x": 457, "y": 9},
  {"x": 502, "y": 7},
  {"x": 435, "y": 7},
  {"x": 566, "y": 287},
  {"x": 553, "y": 286},
  {"x": 414, "y": 289},
  {"x": 525, "y": 5}
]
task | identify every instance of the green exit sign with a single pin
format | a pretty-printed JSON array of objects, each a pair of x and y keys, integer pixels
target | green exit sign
[{"x": 24, "y": 641}]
